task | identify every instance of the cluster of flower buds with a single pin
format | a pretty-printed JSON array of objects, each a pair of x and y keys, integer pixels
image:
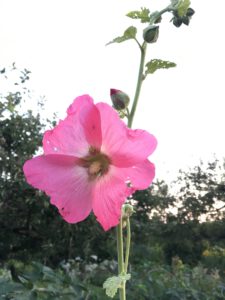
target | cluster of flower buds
[{"x": 178, "y": 20}]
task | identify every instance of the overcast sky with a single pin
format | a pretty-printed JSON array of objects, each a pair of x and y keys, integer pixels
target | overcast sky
[{"x": 63, "y": 43}]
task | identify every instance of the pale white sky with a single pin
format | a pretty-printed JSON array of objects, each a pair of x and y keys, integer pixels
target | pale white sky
[{"x": 63, "y": 43}]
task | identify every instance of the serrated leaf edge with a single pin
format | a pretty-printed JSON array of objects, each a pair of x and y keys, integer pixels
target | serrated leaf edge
[
  {"x": 139, "y": 14},
  {"x": 162, "y": 64},
  {"x": 126, "y": 36},
  {"x": 109, "y": 282}
]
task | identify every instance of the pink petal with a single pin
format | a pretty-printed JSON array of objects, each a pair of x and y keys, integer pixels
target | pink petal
[
  {"x": 140, "y": 175},
  {"x": 109, "y": 193},
  {"x": 80, "y": 130},
  {"x": 66, "y": 138},
  {"x": 125, "y": 147},
  {"x": 91, "y": 122},
  {"x": 138, "y": 145},
  {"x": 65, "y": 182},
  {"x": 113, "y": 129},
  {"x": 79, "y": 103}
]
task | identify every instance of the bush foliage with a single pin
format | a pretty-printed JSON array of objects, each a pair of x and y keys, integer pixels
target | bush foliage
[{"x": 74, "y": 280}]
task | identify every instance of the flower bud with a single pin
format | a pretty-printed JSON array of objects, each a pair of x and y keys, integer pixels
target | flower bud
[
  {"x": 177, "y": 21},
  {"x": 151, "y": 33},
  {"x": 119, "y": 99},
  {"x": 190, "y": 12},
  {"x": 158, "y": 20},
  {"x": 186, "y": 20},
  {"x": 127, "y": 212}
]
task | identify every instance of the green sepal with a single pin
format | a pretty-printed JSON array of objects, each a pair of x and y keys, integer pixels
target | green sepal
[
  {"x": 156, "y": 64},
  {"x": 122, "y": 113},
  {"x": 129, "y": 33},
  {"x": 112, "y": 284},
  {"x": 142, "y": 14}
]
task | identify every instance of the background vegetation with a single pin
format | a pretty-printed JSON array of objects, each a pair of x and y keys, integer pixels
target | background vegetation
[{"x": 178, "y": 231}]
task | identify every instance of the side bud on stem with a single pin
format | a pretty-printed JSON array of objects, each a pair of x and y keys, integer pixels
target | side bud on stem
[
  {"x": 119, "y": 99},
  {"x": 151, "y": 34},
  {"x": 127, "y": 212}
]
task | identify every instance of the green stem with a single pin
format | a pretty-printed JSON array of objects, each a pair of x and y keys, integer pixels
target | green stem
[
  {"x": 123, "y": 266},
  {"x": 141, "y": 77},
  {"x": 127, "y": 245},
  {"x": 139, "y": 83},
  {"x": 160, "y": 13},
  {"x": 119, "y": 231},
  {"x": 139, "y": 45}
]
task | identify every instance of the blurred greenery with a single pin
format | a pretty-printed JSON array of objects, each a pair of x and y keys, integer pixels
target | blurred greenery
[
  {"x": 73, "y": 280},
  {"x": 178, "y": 231}
]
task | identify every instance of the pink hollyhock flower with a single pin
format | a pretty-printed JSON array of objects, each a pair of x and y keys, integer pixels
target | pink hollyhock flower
[{"x": 92, "y": 161}]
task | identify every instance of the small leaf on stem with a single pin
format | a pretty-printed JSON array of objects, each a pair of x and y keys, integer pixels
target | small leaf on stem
[
  {"x": 129, "y": 33},
  {"x": 156, "y": 64},
  {"x": 142, "y": 14},
  {"x": 112, "y": 284}
]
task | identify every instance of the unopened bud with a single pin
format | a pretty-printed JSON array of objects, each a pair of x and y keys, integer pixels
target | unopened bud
[
  {"x": 186, "y": 20},
  {"x": 127, "y": 212},
  {"x": 177, "y": 21},
  {"x": 190, "y": 12},
  {"x": 151, "y": 33},
  {"x": 119, "y": 99},
  {"x": 158, "y": 20}
]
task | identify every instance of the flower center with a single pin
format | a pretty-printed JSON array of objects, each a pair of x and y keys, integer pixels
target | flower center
[
  {"x": 95, "y": 168},
  {"x": 96, "y": 163}
]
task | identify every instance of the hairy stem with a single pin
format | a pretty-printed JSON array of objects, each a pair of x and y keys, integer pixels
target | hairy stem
[
  {"x": 123, "y": 266},
  {"x": 128, "y": 239},
  {"x": 138, "y": 86},
  {"x": 119, "y": 231},
  {"x": 141, "y": 77}
]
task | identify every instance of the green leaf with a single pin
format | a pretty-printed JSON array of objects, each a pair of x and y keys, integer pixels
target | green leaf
[
  {"x": 129, "y": 33},
  {"x": 7, "y": 286},
  {"x": 112, "y": 284},
  {"x": 182, "y": 7},
  {"x": 156, "y": 64},
  {"x": 142, "y": 14}
]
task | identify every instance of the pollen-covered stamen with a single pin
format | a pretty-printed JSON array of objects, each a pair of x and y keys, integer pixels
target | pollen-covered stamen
[
  {"x": 97, "y": 163},
  {"x": 95, "y": 168}
]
